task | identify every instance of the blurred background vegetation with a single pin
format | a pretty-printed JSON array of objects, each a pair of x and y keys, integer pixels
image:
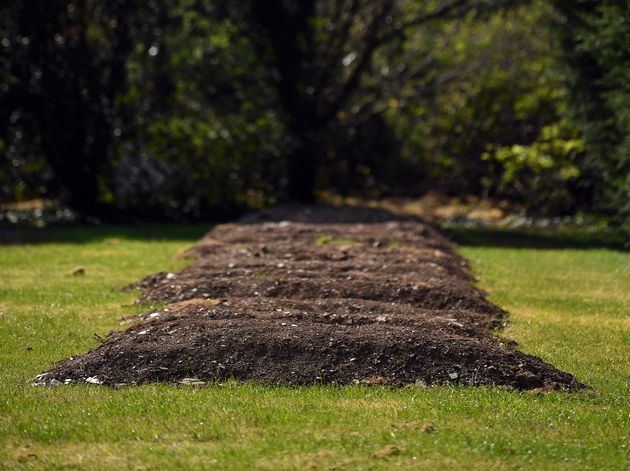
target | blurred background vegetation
[{"x": 200, "y": 109}]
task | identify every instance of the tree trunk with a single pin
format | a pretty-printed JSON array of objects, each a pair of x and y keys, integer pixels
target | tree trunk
[
  {"x": 77, "y": 145},
  {"x": 302, "y": 174}
]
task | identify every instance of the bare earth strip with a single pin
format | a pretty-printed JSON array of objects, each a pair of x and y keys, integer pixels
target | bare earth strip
[{"x": 319, "y": 294}]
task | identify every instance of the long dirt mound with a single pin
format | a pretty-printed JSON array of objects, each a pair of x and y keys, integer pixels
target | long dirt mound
[{"x": 316, "y": 294}]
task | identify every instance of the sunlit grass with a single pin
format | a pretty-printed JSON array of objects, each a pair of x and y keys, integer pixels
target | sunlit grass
[{"x": 569, "y": 306}]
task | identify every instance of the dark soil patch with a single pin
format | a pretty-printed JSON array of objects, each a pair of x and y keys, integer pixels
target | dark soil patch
[{"x": 302, "y": 295}]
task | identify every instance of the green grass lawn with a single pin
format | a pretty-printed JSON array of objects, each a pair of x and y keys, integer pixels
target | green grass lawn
[{"x": 571, "y": 306}]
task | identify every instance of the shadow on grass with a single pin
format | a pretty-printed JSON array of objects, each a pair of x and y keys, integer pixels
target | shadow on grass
[
  {"x": 556, "y": 238},
  {"x": 79, "y": 234}
]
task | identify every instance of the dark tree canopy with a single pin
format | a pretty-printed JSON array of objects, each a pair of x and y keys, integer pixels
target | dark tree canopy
[
  {"x": 331, "y": 63},
  {"x": 65, "y": 78},
  {"x": 187, "y": 108},
  {"x": 596, "y": 50}
]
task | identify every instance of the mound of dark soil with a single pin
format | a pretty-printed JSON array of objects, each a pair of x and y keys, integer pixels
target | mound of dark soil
[{"x": 301, "y": 295}]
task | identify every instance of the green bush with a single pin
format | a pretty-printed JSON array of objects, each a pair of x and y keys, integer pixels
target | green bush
[{"x": 539, "y": 175}]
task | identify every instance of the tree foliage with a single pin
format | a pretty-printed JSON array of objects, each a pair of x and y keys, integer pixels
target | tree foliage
[
  {"x": 175, "y": 109},
  {"x": 64, "y": 74},
  {"x": 596, "y": 51}
]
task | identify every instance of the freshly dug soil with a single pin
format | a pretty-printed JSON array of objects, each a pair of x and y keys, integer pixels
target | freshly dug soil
[{"x": 316, "y": 294}]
